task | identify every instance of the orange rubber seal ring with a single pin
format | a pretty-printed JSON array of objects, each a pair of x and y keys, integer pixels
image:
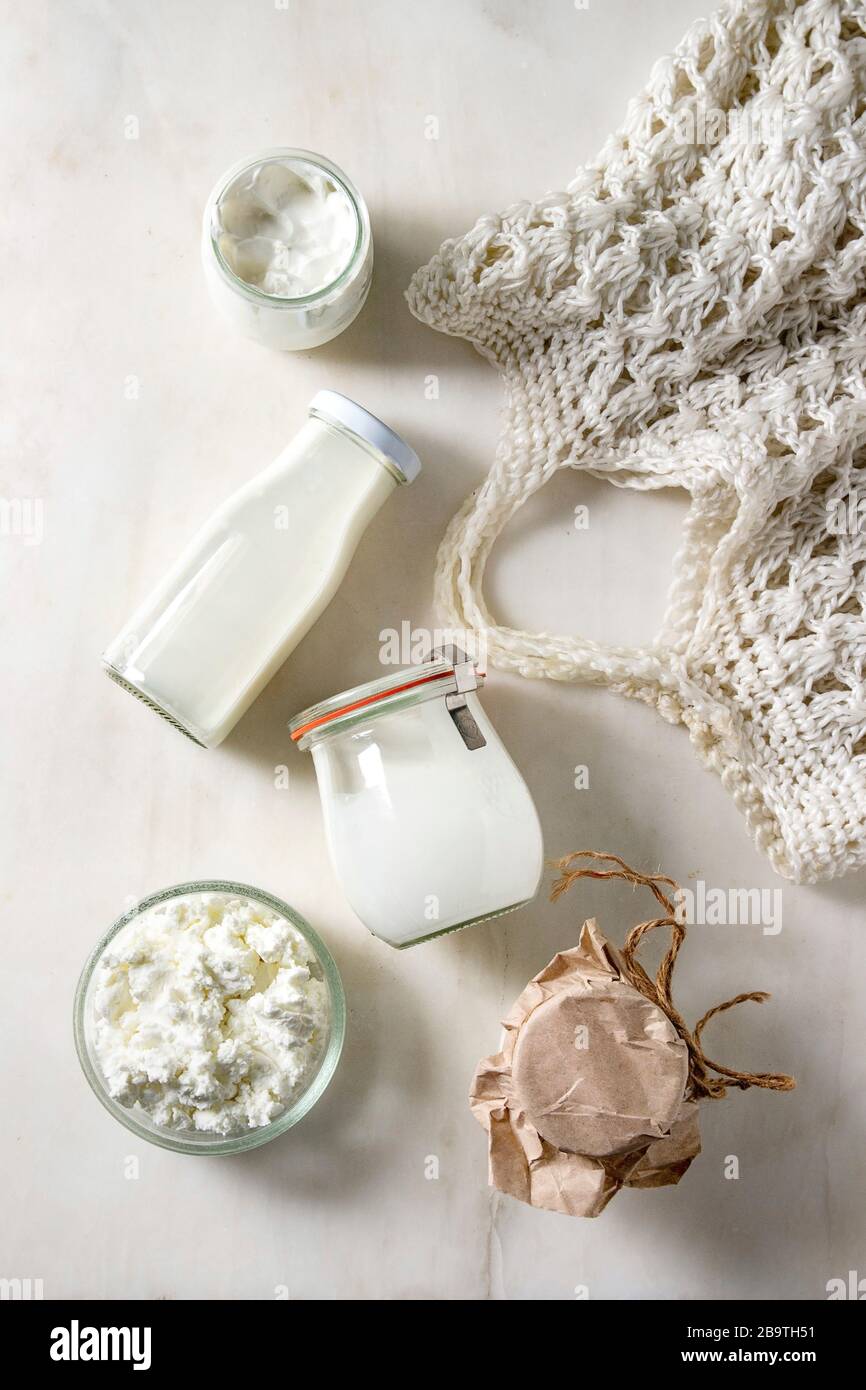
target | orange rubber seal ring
[{"x": 369, "y": 700}]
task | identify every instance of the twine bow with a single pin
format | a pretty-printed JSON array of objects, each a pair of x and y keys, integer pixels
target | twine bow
[{"x": 658, "y": 991}]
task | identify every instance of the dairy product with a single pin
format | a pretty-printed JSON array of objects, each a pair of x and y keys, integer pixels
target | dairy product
[
  {"x": 429, "y": 828},
  {"x": 260, "y": 572},
  {"x": 286, "y": 227},
  {"x": 209, "y": 1013},
  {"x": 287, "y": 249}
]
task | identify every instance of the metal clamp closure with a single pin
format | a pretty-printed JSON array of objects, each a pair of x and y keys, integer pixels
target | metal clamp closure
[{"x": 466, "y": 676}]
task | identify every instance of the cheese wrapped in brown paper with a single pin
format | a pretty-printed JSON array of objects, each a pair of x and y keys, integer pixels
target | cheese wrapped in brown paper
[
  {"x": 597, "y": 1082},
  {"x": 588, "y": 1091}
]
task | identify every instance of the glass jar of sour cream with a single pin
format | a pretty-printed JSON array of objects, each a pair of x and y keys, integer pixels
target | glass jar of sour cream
[
  {"x": 287, "y": 249},
  {"x": 430, "y": 826}
]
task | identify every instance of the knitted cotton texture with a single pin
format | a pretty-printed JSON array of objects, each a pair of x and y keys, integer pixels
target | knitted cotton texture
[{"x": 690, "y": 313}]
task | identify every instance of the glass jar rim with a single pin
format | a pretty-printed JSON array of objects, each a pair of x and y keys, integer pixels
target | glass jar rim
[
  {"x": 334, "y": 172},
  {"x": 410, "y": 686},
  {"x": 180, "y": 1141}
]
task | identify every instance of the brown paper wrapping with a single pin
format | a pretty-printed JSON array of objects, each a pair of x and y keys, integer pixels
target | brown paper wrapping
[{"x": 589, "y": 1091}]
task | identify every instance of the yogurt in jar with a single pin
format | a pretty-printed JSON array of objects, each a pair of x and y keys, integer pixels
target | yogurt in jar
[
  {"x": 287, "y": 249},
  {"x": 430, "y": 826}
]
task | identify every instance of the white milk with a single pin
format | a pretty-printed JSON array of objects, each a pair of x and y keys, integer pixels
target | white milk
[
  {"x": 260, "y": 572},
  {"x": 425, "y": 834}
]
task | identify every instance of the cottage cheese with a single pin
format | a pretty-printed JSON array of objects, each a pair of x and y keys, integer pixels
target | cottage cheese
[{"x": 209, "y": 1013}]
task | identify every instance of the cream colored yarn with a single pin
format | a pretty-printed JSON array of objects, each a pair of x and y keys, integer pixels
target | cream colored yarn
[{"x": 690, "y": 313}]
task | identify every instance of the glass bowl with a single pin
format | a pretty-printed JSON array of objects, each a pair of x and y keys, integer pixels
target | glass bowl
[{"x": 191, "y": 1141}]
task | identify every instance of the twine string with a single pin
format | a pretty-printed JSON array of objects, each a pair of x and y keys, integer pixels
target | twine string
[{"x": 703, "y": 1082}]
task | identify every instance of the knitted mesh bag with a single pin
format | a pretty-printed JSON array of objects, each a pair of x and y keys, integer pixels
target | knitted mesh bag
[{"x": 690, "y": 313}]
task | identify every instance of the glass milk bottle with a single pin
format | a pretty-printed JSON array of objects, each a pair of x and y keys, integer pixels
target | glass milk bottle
[{"x": 260, "y": 572}]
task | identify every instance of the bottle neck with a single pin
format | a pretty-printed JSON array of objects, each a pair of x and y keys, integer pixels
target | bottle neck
[
  {"x": 357, "y": 478},
  {"x": 328, "y": 463},
  {"x": 359, "y": 442}
]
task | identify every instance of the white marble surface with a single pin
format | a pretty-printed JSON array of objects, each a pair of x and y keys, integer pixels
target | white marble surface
[{"x": 102, "y": 288}]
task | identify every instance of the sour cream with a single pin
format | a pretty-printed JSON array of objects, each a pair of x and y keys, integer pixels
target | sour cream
[
  {"x": 286, "y": 227},
  {"x": 286, "y": 248}
]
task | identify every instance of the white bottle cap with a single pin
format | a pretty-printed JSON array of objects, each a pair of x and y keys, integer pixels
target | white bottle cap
[{"x": 343, "y": 411}]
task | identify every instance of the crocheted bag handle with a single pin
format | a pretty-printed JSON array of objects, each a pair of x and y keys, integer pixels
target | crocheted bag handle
[{"x": 460, "y": 566}]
